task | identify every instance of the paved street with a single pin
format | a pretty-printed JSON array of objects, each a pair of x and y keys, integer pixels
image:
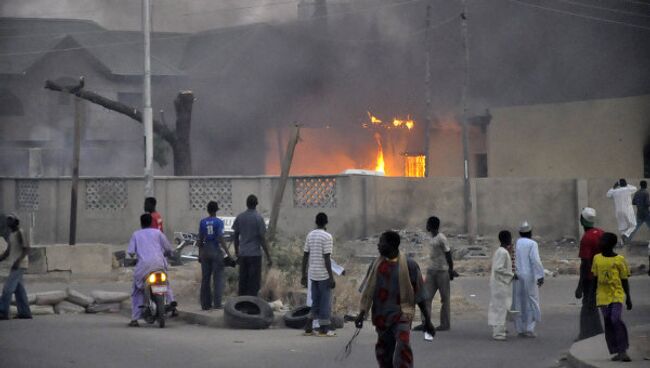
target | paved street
[{"x": 105, "y": 341}]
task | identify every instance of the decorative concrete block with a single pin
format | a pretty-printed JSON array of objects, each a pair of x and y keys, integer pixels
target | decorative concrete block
[
  {"x": 58, "y": 258},
  {"x": 91, "y": 259}
]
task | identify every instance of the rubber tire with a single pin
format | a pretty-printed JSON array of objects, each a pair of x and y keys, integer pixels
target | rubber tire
[
  {"x": 336, "y": 321},
  {"x": 298, "y": 317},
  {"x": 160, "y": 310},
  {"x": 259, "y": 315}
]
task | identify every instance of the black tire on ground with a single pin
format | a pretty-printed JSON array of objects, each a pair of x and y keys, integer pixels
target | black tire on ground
[
  {"x": 297, "y": 317},
  {"x": 337, "y": 321},
  {"x": 247, "y": 312},
  {"x": 160, "y": 310}
]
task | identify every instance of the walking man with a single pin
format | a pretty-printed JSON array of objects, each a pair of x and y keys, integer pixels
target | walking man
[
  {"x": 611, "y": 272},
  {"x": 501, "y": 287},
  {"x": 212, "y": 250},
  {"x": 249, "y": 236},
  {"x": 17, "y": 252},
  {"x": 530, "y": 276},
  {"x": 590, "y": 324},
  {"x": 622, "y": 195},
  {"x": 318, "y": 252},
  {"x": 641, "y": 200},
  {"x": 440, "y": 273},
  {"x": 391, "y": 289}
]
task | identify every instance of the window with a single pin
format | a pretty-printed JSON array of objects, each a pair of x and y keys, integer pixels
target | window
[{"x": 414, "y": 166}]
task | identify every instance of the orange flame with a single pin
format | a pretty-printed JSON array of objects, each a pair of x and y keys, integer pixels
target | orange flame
[
  {"x": 380, "y": 155},
  {"x": 373, "y": 119}
]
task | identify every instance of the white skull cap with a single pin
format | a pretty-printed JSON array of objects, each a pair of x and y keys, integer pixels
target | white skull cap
[{"x": 525, "y": 227}]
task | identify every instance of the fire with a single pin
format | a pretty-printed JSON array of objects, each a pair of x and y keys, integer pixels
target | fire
[
  {"x": 408, "y": 122},
  {"x": 380, "y": 154},
  {"x": 414, "y": 166},
  {"x": 373, "y": 119}
]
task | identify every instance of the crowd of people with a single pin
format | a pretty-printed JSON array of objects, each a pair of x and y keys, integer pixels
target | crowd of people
[{"x": 393, "y": 285}]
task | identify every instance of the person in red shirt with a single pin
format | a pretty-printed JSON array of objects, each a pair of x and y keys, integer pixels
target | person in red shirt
[
  {"x": 150, "y": 207},
  {"x": 590, "y": 324}
]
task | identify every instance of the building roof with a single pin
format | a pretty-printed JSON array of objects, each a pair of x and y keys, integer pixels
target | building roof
[{"x": 24, "y": 41}]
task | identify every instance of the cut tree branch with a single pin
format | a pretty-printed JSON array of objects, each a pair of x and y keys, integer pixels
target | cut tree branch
[{"x": 161, "y": 129}]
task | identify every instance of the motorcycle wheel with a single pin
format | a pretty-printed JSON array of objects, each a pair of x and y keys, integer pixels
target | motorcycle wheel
[{"x": 160, "y": 310}]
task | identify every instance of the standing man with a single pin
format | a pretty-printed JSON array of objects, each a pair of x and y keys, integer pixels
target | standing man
[
  {"x": 622, "y": 195},
  {"x": 17, "y": 252},
  {"x": 612, "y": 273},
  {"x": 590, "y": 324},
  {"x": 439, "y": 274},
  {"x": 249, "y": 236},
  {"x": 212, "y": 248},
  {"x": 318, "y": 252},
  {"x": 641, "y": 200},
  {"x": 391, "y": 290},
  {"x": 150, "y": 246},
  {"x": 530, "y": 276},
  {"x": 501, "y": 287},
  {"x": 156, "y": 218}
]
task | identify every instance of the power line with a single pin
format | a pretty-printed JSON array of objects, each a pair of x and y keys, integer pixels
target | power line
[
  {"x": 576, "y": 3},
  {"x": 634, "y": 2},
  {"x": 580, "y": 15}
]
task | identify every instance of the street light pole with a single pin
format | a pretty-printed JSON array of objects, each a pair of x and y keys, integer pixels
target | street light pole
[
  {"x": 147, "y": 112},
  {"x": 466, "y": 183}
]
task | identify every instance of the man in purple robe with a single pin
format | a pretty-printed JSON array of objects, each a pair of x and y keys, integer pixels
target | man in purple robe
[{"x": 150, "y": 246}]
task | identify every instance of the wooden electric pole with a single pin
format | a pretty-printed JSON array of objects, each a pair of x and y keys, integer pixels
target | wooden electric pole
[
  {"x": 279, "y": 193},
  {"x": 76, "y": 147}
]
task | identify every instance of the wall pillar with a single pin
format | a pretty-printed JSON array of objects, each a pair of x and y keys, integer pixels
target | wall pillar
[{"x": 472, "y": 226}]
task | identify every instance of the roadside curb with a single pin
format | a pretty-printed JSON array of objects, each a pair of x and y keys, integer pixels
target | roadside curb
[{"x": 592, "y": 352}]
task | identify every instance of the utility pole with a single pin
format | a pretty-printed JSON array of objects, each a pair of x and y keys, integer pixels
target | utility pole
[
  {"x": 147, "y": 112},
  {"x": 284, "y": 176},
  {"x": 427, "y": 85},
  {"x": 466, "y": 184},
  {"x": 78, "y": 117}
]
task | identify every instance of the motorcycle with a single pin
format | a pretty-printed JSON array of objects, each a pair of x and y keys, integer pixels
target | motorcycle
[{"x": 155, "y": 298}]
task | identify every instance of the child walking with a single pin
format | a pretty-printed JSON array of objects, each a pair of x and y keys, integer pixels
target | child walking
[{"x": 611, "y": 273}]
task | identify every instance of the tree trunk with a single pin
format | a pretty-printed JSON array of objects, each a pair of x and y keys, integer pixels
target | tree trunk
[{"x": 182, "y": 148}]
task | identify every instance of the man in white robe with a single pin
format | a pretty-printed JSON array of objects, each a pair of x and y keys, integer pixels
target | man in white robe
[
  {"x": 501, "y": 287},
  {"x": 622, "y": 194},
  {"x": 530, "y": 276}
]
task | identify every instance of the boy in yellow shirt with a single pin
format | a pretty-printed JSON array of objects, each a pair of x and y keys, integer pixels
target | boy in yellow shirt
[{"x": 611, "y": 273}]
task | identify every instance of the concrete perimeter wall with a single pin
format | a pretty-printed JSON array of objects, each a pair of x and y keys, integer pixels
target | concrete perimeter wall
[{"x": 358, "y": 206}]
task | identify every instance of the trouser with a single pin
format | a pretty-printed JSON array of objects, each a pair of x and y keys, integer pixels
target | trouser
[
  {"x": 439, "y": 281},
  {"x": 212, "y": 282},
  {"x": 615, "y": 330},
  {"x": 393, "y": 348},
  {"x": 498, "y": 331},
  {"x": 590, "y": 324},
  {"x": 626, "y": 222},
  {"x": 14, "y": 285},
  {"x": 250, "y": 275},
  {"x": 321, "y": 306},
  {"x": 639, "y": 223}
]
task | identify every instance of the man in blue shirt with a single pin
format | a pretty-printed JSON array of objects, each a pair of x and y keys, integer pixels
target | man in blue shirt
[{"x": 211, "y": 255}]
